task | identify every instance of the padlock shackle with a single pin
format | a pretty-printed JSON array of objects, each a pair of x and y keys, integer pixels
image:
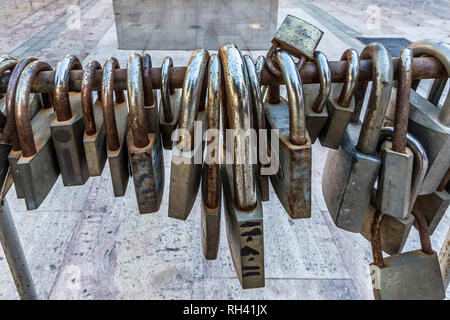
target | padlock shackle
[
  {"x": 294, "y": 88},
  {"x": 86, "y": 96},
  {"x": 325, "y": 82},
  {"x": 137, "y": 120},
  {"x": 383, "y": 72},
  {"x": 402, "y": 101},
  {"x": 166, "y": 91},
  {"x": 424, "y": 232},
  {"x": 440, "y": 51},
  {"x": 351, "y": 77},
  {"x": 22, "y": 113},
  {"x": 61, "y": 90},
  {"x": 147, "y": 78},
  {"x": 375, "y": 238},
  {"x": 257, "y": 103}
]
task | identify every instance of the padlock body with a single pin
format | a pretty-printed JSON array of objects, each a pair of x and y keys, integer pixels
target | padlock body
[
  {"x": 167, "y": 128},
  {"x": 95, "y": 144},
  {"x": 412, "y": 275},
  {"x": 315, "y": 121},
  {"x": 433, "y": 207}
]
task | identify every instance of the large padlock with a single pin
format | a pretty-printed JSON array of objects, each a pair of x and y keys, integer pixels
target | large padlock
[
  {"x": 413, "y": 275},
  {"x": 211, "y": 182},
  {"x": 144, "y": 149},
  {"x": 38, "y": 153},
  {"x": 315, "y": 97},
  {"x": 115, "y": 114},
  {"x": 292, "y": 183},
  {"x": 351, "y": 171},
  {"x": 243, "y": 208},
  {"x": 187, "y": 151},
  {"x": 67, "y": 126},
  {"x": 395, "y": 231},
  {"x": 150, "y": 97},
  {"x": 341, "y": 103},
  {"x": 170, "y": 105},
  {"x": 94, "y": 138}
]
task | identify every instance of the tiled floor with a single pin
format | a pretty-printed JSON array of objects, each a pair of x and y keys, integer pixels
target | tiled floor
[{"x": 83, "y": 243}]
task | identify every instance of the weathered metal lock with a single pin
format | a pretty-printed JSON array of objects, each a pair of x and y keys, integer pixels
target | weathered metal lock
[
  {"x": 187, "y": 153},
  {"x": 67, "y": 126},
  {"x": 38, "y": 153},
  {"x": 243, "y": 208},
  {"x": 150, "y": 100},
  {"x": 316, "y": 96},
  {"x": 94, "y": 138},
  {"x": 211, "y": 181},
  {"x": 114, "y": 118},
  {"x": 144, "y": 149},
  {"x": 6, "y": 63},
  {"x": 351, "y": 171},
  {"x": 292, "y": 183},
  {"x": 170, "y": 105},
  {"x": 341, "y": 103},
  {"x": 414, "y": 275}
]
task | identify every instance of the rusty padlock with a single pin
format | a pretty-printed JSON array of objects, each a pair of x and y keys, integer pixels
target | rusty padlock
[
  {"x": 7, "y": 63},
  {"x": 341, "y": 103},
  {"x": 170, "y": 105},
  {"x": 67, "y": 126},
  {"x": 243, "y": 208},
  {"x": 94, "y": 138},
  {"x": 114, "y": 118},
  {"x": 144, "y": 149}
]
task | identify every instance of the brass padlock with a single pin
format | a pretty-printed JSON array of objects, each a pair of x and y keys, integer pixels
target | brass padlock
[
  {"x": 67, "y": 126},
  {"x": 187, "y": 153},
  {"x": 38, "y": 153},
  {"x": 243, "y": 208},
  {"x": 211, "y": 182},
  {"x": 150, "y": 100},
  {"x": 114, "y": 118},
  {"x": 170, "y": 105},
  {"x": 144, "y": 149},
  {"x": 341, "y": 103},
  {"x": 94, "y": 138}
]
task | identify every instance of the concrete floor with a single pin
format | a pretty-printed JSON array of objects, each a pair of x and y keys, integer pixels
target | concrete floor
[{"x": 82, "y": 243}]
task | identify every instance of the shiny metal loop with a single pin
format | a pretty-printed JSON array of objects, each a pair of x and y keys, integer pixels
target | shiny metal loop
[
  {"x": 259, "y": 66},
  {"x": 147, "y": 79},
  {"x": 166, "y": 91},
  {"x": 441, "y": 51},
  {"x": 325, "y": 82},
  {"x": 257, "y": 99},
  {"x": 297, "y": 118},
  {"x": 61, "y": 90},
  {"x": 86, "y": 96},
  {"x": 383, "y": 73},
  {"x": 23, "y": 122},
  {"x": 351, "y": 77},
  {"x": 135, "y": 90}
]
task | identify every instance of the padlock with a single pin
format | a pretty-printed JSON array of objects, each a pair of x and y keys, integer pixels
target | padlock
[
  {"x": 144, "y": 149},
  {"x": 211, "y": 182},
  {"x": 67, "y": 126},
  {"x": 258, "y": 112},
  {"x": 413, "y": 275},
  {"x": 315, "y": 97},
  {"x": 187, "y": 155},
  {"x": 114, "y": 118},
  {"x": 292, "y": 183},
  {"x": 150, "y": 97},
  {"x": 341, "y": 103},
  {"x": 242, "y": 201},
  {"x": 395, "y": 231},
  {"x": 94, "y": 138},
  {"x": 351, "y": 171},
  {"x": 37, "y": 166},
  {"x": 170, "y": 105},
  {"x": 394, "y": 182}
]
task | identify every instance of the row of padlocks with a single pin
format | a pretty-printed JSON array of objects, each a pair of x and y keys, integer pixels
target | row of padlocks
[{"x": 230, "y": 128}]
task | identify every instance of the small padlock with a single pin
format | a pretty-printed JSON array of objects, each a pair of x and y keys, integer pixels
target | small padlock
[
  {"x": 170, "y": 105},
  {"x": 211, "y": 182},
  {"x": 341, "y": 103},
  {"x": 316, "y": 96},
  {"x": 67, "y": 126},
  {"x": 187, "y": 154},
  {"x": 144, "y": 149},
  {"x": 351, "y": 171},
  {"x": 150, "y": 100},
  {"x": 94, "y": 138},
  {"x": 37, "y": 166},
  {"x": 292, "y": 183},
  {"x": 243, "y": 208},
  {"x": 414, "y": 275},
  {"x": 114, "y": 118}
]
